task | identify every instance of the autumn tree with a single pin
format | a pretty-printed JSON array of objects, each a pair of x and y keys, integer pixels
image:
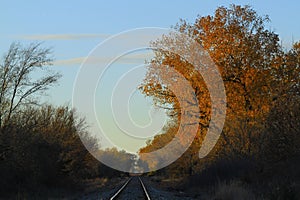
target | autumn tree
[
  {"x": 283, "y": 124},
  {"x": 247, "y": 55}
]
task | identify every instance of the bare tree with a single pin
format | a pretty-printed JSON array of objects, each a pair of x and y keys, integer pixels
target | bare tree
[{"x": 23, "y": 73}]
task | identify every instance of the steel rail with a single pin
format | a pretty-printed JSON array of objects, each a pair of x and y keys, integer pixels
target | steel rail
[
  {"x": 144, "y": 188},
  {"x": 117, "y": 194},
  {"x": 120, "y": 190}
]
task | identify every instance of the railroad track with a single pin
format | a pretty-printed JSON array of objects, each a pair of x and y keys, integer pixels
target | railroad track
[{"x": 133, "y": 184}]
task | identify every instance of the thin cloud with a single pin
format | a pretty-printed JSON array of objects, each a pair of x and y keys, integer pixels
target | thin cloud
[
  {"x": 127, "y": 59},
  {"x": 62, "y": 36},
  {"x": 72, "y": 61}
]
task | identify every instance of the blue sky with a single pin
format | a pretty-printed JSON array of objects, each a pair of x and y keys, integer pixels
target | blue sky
[{"x": 74, "y": 28}]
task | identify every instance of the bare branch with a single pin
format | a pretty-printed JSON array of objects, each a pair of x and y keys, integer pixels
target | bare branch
[{"x": 17, "y": 83}]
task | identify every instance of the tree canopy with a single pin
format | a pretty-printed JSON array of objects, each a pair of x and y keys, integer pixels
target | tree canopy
[{"x": 256, "y": 70}]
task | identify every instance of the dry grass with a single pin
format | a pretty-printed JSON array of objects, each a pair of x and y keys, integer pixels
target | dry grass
[{"x": 232, "y": 191}]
